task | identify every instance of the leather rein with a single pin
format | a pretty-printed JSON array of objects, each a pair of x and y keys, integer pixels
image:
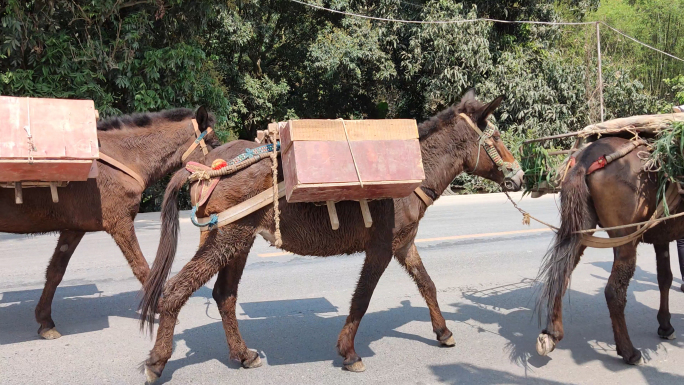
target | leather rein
[{"x": 127, "y": 170}]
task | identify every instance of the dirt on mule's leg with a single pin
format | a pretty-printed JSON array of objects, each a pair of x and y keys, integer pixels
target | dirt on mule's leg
[
  {"x": 216, "y": 252},
  {"x": 378, "y": 257},
  {"x": 409, "y": 258},
  {"x": 225, "y": 295},
  {"x": 616, "y": 297},
  {"x": 66, "y": 245},
  {"x": 665, "y": 330}
]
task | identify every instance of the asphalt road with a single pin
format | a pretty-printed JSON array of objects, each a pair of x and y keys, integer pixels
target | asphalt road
[{"x": 291, "y": 309}]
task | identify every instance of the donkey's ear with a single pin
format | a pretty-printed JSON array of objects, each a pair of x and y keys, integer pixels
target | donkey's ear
[
  {"x": 489, "y": 108},
  {"x": 202, "y": 117}
]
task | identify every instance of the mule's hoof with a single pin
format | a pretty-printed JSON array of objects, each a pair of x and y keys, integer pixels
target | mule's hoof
[
  {"x": 449, "y": 342},
  {"x": 150, "y": 375},
  {"x": 356, "y": 367},
  {"x": 667, "y": 334},
  {"x": 253, "y": 363},
  {"x": 635, "y": 359},
  {"x": 682, "y": 288},
  {"x": 50, "y": 334},
  {"x": 545, "y": 344}
]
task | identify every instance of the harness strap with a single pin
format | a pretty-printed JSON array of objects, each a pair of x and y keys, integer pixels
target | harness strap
[
  {"x": 198, "y": 142},
  {"x": 240, "y": 210},
  {"x": 673, "y": 200},
  {"x": 423, "y": 196},
  {"x": 113, "y": 162},
  {"x": 605, "y": 160}
]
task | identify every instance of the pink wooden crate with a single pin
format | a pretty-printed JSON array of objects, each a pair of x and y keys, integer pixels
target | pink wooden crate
[
  {"x": 318, "y": 164},
  {"x": 64, "y": 136}
]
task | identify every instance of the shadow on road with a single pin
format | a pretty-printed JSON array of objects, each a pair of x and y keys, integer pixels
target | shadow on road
[
  {"x": 75, "y": 309},
  {"x": 471, "y": 374},
  {"x": 508, "y": 312}
]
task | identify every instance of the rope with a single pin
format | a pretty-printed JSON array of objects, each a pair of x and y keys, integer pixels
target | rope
[
  {"x": 274, "y": 168},
  {"x": 356, "y": 167},
  {"x": 27, "y": 128},
  {"x": 461, "y": 21},
  {"x": 527, "y": 216},
  {"x": 208, "y": 174},
  {"x": 439, "y": 21}
]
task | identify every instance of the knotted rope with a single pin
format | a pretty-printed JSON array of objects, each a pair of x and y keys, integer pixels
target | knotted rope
[{"x": 274, "y": 168}]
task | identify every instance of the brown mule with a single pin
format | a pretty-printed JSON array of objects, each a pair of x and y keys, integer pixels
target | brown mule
[
  {"x": 449, "y": 146},
  {"x": 619, "y": 194},
  {"x": 151, "y": 145}
]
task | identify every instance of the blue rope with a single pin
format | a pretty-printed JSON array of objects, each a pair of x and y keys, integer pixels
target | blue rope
[
  {"x": 249, "y": 153},
  {"x": 213, "y": 219},
  {"x": 199, "y": 138}
]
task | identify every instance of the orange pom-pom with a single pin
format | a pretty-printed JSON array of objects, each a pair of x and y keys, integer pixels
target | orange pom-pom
[{"x": 218, "y": 164}]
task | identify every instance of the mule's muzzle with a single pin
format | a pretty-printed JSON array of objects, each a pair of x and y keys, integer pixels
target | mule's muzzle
[{"x": 515, "y": 182}]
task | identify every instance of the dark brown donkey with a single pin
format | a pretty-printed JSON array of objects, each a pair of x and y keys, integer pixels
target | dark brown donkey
[
  {"x": 619, "y": 194},
  {"x": 449, "y": 146},
  {"x": 152, "y": 146}
]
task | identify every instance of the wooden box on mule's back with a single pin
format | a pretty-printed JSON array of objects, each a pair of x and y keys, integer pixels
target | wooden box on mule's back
[
  {"x": 47, "y": 140},
  {"x": 336, "y": 160}
]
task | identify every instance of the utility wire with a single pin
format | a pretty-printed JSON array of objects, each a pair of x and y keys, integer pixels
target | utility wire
[{"x": 481, "y": 19}]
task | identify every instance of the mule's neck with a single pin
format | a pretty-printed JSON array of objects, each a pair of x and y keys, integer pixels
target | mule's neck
[
  {"x": 445, "y": 152},
  {"x": 153, "y": 151}
]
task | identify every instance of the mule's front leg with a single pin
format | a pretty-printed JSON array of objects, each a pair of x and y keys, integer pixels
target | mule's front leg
[
  {"x": 664, "y": 283},
  {"x": 124, "y": 236},
  {"x": 225, "y": 295},
  {"x": 616, "y": 297},
  {"x": 66, "y": 245},
  {"x": 409, "y": 258},
  {"x": 377, "y": 259}
]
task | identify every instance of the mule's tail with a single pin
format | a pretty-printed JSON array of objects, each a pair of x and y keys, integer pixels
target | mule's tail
[
  {"x": 166, "y": 252},
  {"x": 562, "y": 257}
]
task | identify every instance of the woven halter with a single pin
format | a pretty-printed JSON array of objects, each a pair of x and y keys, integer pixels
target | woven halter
[{"x": 507, "y": 168}]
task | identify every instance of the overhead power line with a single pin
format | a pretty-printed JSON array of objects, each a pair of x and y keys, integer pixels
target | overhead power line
[{"x": 463, "y": 21}]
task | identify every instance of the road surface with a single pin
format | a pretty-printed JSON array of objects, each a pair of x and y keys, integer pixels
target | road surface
[{"x": 291, "y": 309}]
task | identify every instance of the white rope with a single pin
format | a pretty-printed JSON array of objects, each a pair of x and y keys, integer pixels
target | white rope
[
  {"x": 642, "y": 43},
  {"x": 482, "y": 19},
  {"x": 439, "y": 21}
]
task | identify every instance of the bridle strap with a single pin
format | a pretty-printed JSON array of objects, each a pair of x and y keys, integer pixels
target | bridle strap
[
  {"x": 489, "y": 147},
  {"x": 198, "y": 142}
]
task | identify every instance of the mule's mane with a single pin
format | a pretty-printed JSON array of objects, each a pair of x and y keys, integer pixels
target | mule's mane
[
  {"x": 146, "y": 119},
  {"x": 448, "y": 115}
]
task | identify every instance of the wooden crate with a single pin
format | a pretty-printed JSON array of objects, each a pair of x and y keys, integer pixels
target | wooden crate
[
  {"x": 318, "y": 164},
  {"x": 63, "y": 136}
]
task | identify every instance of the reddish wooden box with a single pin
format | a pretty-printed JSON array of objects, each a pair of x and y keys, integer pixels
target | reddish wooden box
[
  {"x": 64, "y": 136},
  {"x": 318, "y": 164}
]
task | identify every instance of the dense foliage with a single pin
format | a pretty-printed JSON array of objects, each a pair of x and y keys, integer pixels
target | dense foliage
[{"x": 256, "y": 61}]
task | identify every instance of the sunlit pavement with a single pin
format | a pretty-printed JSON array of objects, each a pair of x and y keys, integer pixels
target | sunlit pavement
[{"x": 291, "y": 309}]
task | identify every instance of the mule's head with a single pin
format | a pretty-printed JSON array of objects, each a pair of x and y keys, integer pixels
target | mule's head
[{"x": 488, "y": 156}]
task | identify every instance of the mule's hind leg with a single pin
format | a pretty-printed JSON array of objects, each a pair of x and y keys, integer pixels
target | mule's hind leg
[
  {"x": 377, "y": 259},
  {"x": 225, "y": 295},
  {"x": 554, "y": 333},
  {"x": 664, "y": 283},
  {"x": 217, "y": 250},
  {"x": 409, "y": 258},
  {"x": 616, "y": 297},
  {"x": 66, "y": 245}
]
